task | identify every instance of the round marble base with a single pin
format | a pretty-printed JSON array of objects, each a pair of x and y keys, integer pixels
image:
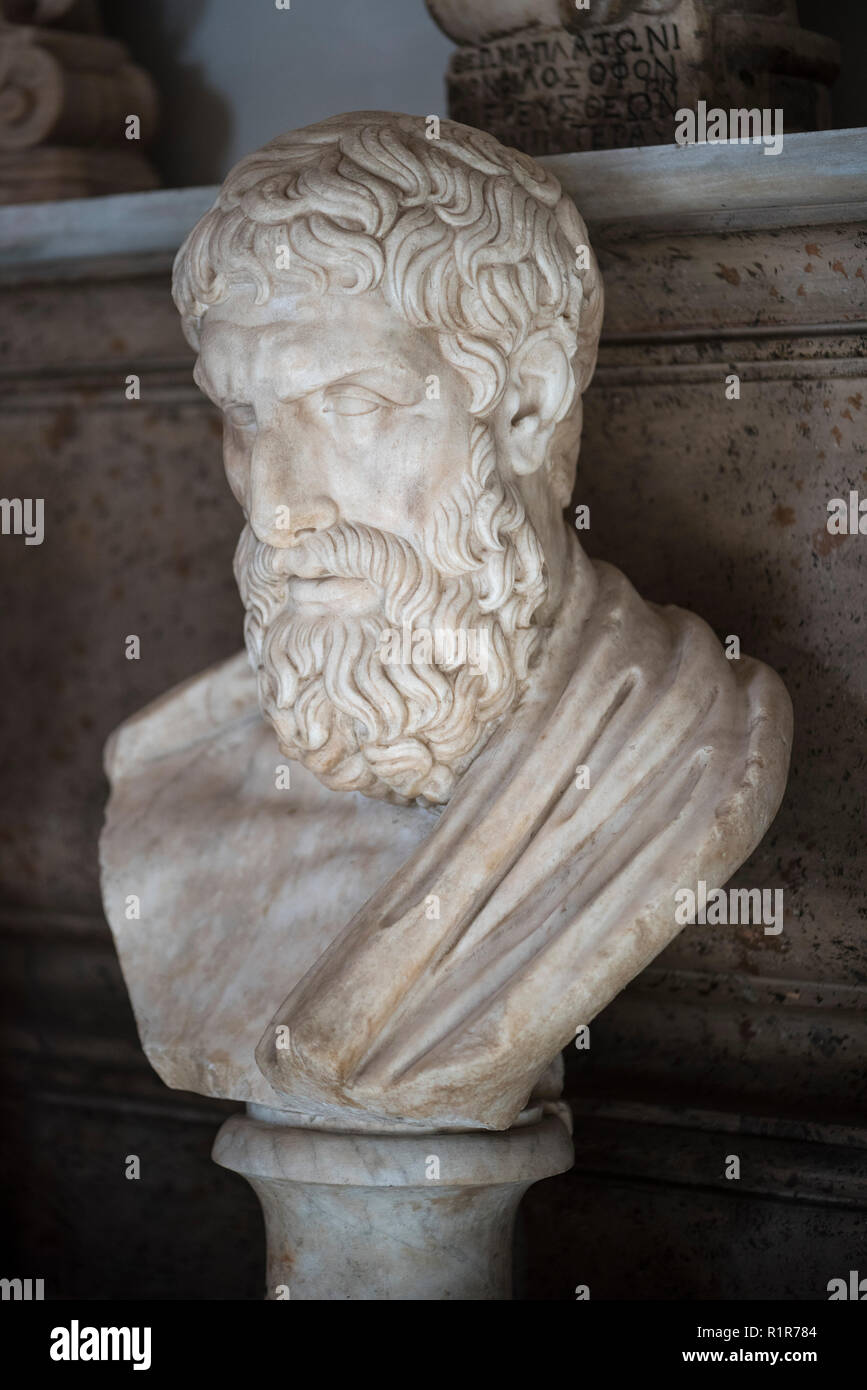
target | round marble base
[{"x": 364, "y": 1216}]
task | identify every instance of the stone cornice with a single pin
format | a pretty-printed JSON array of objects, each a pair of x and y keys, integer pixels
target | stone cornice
[{"x": 819, "y": 177}]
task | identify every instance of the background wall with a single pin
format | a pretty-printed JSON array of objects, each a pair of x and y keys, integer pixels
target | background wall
[
  {"x": 234, "y": 73},
  {"x": 845, "y": 21}
]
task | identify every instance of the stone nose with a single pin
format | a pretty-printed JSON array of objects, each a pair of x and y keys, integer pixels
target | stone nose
[
  {"x": 286, "y": 523},
  {"x": 285, "y": 501}
]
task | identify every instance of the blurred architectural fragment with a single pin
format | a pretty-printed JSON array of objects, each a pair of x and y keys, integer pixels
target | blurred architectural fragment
[
  {"x": 75, "y": 112},
  {"x": 552, "y": 78}
]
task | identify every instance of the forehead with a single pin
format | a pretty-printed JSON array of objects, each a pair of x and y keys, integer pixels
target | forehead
[{"x": 314, "y": 336}]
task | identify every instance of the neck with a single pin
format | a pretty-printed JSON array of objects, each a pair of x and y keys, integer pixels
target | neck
[{"x": 570, "y": 576}]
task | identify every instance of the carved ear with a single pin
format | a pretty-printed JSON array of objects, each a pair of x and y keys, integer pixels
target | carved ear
[{"x": 541, "y": 391}]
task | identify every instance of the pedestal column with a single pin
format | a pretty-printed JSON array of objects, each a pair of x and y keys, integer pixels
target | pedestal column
[{"x": 381, "y": 1217}]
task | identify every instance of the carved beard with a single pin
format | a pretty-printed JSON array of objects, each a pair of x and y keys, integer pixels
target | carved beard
[{"x": 405, "y": 730}]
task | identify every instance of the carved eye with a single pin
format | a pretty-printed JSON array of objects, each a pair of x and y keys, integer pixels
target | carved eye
[
  {"x": 352, "y": 403},
  {"x": 240, "y": 416}
]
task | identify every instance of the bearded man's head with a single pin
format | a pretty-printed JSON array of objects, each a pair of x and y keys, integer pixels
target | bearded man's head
[{"x": 397, "y": 320}]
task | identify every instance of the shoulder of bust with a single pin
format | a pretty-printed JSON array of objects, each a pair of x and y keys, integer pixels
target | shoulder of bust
[{"x": 198, "y": 708}]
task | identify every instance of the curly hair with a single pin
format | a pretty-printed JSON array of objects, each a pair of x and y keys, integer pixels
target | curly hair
[{"x": 462, "y": 235}]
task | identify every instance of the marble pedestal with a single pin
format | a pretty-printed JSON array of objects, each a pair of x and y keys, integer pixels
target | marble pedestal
[{"x": 381, "y": 1217}]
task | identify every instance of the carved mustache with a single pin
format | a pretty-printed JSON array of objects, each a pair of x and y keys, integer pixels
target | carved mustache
[
  {"x": 408, "y": 580},
  {"x": 344, "y": 551}
]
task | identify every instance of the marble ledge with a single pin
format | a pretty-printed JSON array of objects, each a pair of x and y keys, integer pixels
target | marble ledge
[{"x": 819, "y": 177}]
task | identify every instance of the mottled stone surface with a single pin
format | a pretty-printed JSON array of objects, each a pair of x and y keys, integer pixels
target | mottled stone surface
[
  {"x": 674, "y": 1240},
  {"x": 737, "y": 511},
  {"x": 137, "y": 535}
]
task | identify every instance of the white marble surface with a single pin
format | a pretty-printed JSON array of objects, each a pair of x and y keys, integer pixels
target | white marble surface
[
  {"x": 362, "y": 1217},
  {"x": 412, "y": 931}
]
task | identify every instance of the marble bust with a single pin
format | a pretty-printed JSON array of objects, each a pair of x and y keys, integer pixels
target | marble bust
[{"x": 387, "y": 861}]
